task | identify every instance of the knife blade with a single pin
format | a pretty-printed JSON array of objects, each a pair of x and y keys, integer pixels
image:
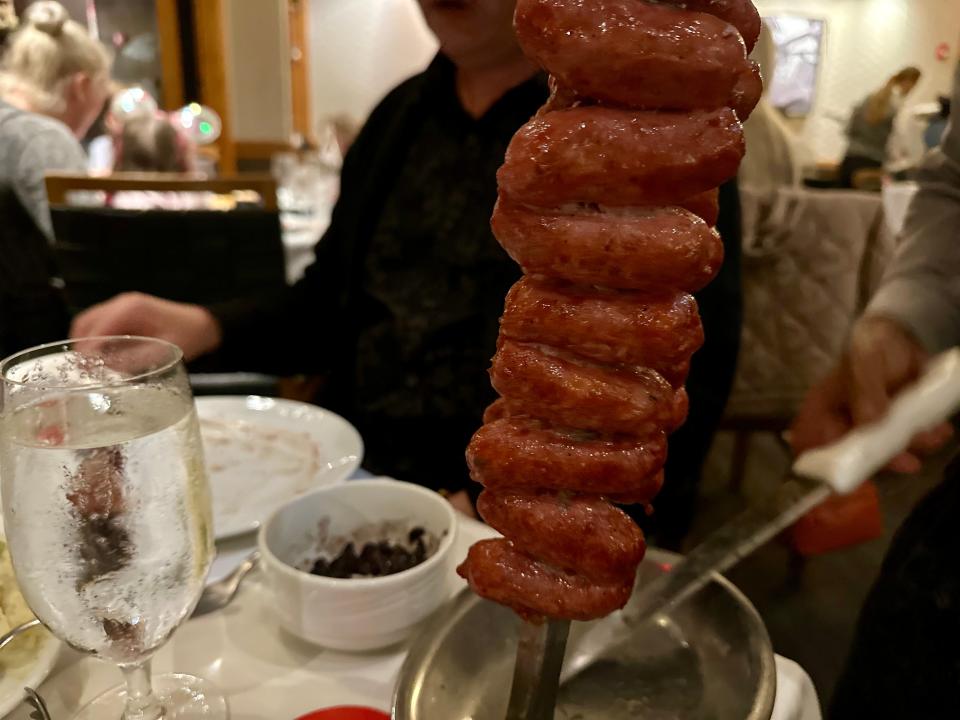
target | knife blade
[{"x": 837, "y": 468}]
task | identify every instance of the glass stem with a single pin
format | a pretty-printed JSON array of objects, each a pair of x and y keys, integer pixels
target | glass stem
[{"x": 141, "y": 704}]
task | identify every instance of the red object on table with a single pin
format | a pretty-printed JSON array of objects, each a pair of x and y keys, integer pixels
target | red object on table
[
  {"x": 840, "y": 522},
  {"x": 346, "y": 713}
]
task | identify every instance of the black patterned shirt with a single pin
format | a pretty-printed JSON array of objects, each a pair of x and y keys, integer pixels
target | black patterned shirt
[{"x": 403, "y": 303}]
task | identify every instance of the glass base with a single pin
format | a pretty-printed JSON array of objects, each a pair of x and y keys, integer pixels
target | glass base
[{"x": 183, "y": 697}]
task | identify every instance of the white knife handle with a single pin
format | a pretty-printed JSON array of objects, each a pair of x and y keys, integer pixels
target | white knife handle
[{"x": 932, "y": 399}]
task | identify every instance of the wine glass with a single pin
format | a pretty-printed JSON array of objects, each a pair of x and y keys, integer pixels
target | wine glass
[{"x": 107, "y": 509}]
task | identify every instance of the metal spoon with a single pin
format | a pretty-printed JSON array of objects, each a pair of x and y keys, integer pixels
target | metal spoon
[{"x": 215, "y": 596}]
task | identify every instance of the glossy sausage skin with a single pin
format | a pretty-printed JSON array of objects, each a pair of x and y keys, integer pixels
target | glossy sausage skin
[
  {"x": 706, "y": 205},
  {"x": 614, "y": 328},
  {"x": 498, "y": 571},
  {"x": 614, "y": 157},
  {"x": 643, "y": 248},
  {"x": 740, "y": 13},
  {"x": 526, "y": 454},
  {"x": 642, "y": 497},
  {"x": 497, "y": 410},
  {"x": 748, "y": 90},
  {"x": 579, "y": 394},
  {"x": 681, "y": 408},
  {"x": 634, "y": 54},
  {"x": 579, "y": 534},
  {"x": 561, "y": 98},
  {"x": 502, "y": 408}
]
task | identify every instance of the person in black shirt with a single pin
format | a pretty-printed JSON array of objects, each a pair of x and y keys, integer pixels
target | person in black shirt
[{"x": 400, "y": 309}]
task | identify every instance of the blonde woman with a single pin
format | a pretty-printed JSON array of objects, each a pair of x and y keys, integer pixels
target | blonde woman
[
  {"x": 54, "y": 79},
  {"x": 872, "y": 123}
]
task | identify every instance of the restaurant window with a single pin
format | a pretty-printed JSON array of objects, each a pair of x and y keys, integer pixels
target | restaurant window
[{"x": 798, "y": 41}]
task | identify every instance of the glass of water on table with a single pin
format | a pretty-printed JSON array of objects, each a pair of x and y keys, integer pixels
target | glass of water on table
[{"x": 106, "y": 510}]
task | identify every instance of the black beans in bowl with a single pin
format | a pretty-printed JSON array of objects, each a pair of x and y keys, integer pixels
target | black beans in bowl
[{"x": 377, "y": 559}]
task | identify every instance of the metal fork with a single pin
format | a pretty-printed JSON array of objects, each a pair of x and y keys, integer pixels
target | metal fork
[
  {"x": 8, "y": 637},
  {"x": 219, "y": 594},
  {"x": 39, "y": 711},
  {"x": 215, "y": 597}
]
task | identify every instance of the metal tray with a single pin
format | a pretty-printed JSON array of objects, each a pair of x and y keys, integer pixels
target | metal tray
[{"x": 710, "y": 659}]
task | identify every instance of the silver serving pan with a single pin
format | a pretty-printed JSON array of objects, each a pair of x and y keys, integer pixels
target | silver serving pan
[{"x": 709, "y": 659}]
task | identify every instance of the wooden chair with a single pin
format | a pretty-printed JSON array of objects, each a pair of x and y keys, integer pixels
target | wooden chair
[
  {"x": 201, "y": 256},
  {"x": 815, "y": 259},
  {"x": 60, "y": 185},
  {"x": 198, "y": 256}
]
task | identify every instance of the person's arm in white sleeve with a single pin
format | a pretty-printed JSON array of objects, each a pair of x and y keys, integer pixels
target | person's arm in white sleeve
[{"x": 921, "y": 288}]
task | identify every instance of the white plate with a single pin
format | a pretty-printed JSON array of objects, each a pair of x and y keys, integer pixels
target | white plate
[
  {"x": 31, "y": 675},
  {"x": 262, "y": 452}
]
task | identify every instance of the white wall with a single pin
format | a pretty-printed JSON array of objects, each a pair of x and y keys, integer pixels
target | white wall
[
  {"x": 258, "y": 68},
  {"x": 866, "y": 42},
  {"x": 360, "y": 49}
]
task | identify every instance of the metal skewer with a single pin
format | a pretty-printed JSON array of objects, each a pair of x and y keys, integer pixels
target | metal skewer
[{"x": 536, "y": 676}]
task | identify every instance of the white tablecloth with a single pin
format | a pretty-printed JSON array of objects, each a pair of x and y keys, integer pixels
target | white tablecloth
[{"x": 270, "y": 675}]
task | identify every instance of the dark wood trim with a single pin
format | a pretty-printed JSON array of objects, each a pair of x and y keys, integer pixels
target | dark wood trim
[
  {"x": 212, "y": 67},
  {"x": 299, "y": 24},
  {"x": 59, "y": 184},
  {"x": 171, "y": 54},
  {"x": 260, "y": 149}
]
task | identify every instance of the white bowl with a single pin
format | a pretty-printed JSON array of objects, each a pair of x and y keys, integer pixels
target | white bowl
[{"x": 360, "y": 613}]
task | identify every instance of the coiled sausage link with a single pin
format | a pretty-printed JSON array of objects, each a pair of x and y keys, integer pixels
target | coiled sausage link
[
  {"x": 594, "y": 348},
  {"x": 575, "y": 533},
  {"x": 527, "y": 454},
  {"x": 658, "y": 331},
  {"x": 567, "y": 392},
  {"x": 639, "y": 248},
  {"x": 617, "y": 157},
  {"x": 634, "y": 53},
  {"x": 499, "y": 571},
  {"x": 740, "y": 13}
]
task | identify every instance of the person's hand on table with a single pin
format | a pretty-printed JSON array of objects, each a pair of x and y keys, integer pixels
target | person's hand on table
[
  {"x": 191, "y": 327},
  {"x": 880, "y": 359}
]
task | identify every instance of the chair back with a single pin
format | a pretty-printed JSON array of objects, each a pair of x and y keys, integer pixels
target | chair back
[
  {"x": 814, "y": 260},
  {"x": 200, "y": 256}
]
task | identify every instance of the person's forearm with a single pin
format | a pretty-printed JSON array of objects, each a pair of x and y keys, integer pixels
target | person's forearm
[
  {"x": 254, "y": 335},
  {"x": 213, "y": 336},
  {"x": 919, "y": 307},
  {"x": 921, "y": 288},
  {"x": 288, "y": 332}
]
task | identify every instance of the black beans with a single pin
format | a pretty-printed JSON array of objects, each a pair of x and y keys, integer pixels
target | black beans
[{"x": 375, "y": 559}]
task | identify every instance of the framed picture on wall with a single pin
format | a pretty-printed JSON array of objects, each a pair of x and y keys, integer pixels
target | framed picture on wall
[{"x": 799, "y": 46}]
